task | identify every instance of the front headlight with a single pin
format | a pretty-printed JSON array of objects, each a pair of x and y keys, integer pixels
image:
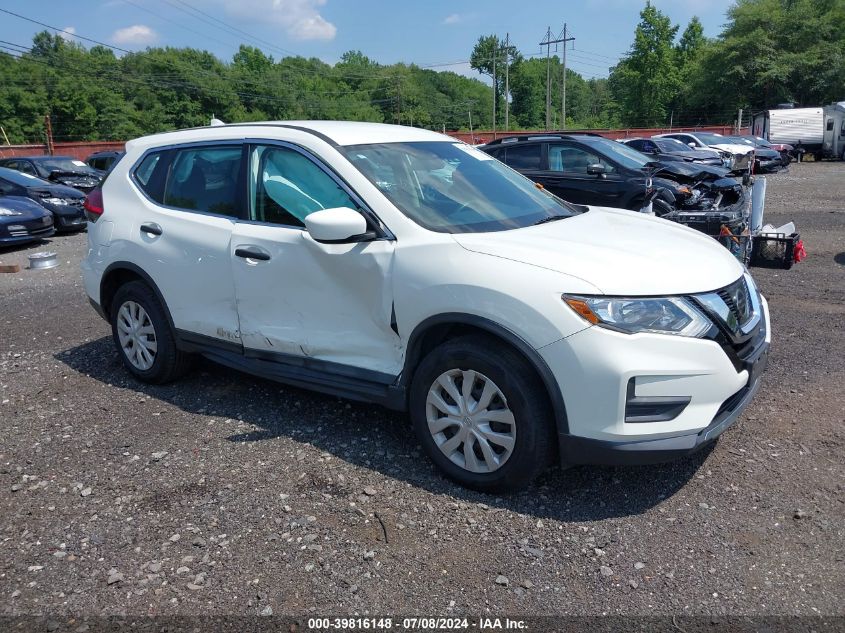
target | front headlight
[
  {"x": 55, "y": 201},
  {"x": 670, "y": 315}
]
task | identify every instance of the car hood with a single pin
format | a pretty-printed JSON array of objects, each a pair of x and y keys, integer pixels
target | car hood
[
  {"x": 28, "y": 209},
  {"x": 734, "y": 149},
  {"x": 55, "y": 191},
  {"x": 619, "y": 252},
  {"x": 687, "y": 172},
  {"x": 699, "y": 154}
]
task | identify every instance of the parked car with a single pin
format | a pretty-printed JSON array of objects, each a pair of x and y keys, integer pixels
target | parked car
[
  {"x": 23, "y": 220},
  {"x": 765, "y": 160},
  {"x": 738, "y": 156},
  {"x": 102, "y": 162},
  {"x": 64, "y": 170},
  {"x": 395, "y": 265},
  {"x": 784, "y": 149},
  {"x": 666, "y": 149},
  {"x": 64, "y": 203},
  {"x": 589, "y": 169}
]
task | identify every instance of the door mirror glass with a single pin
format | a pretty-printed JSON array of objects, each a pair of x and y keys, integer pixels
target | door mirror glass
[
  {"x": 337, "y": 225},
  {"x": 596, "y": 170}
]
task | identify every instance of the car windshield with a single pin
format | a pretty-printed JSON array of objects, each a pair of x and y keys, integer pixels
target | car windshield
[
  {"x": 454, "y": 188},
  {"x": 671, "y": 145},
  {"x": 21, "y": 179},
  {"x": 626, "y": 156},
  {"x": 762, "y": 141},
  {"x": 740, "y": 140},
  {"x": 712, "y": 139},
  {"x": 60, "y": 163}
]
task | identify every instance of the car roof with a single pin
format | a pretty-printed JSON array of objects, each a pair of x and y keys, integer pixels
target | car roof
[
  {"x": 105, "y": 152},
  {"x": 333, "y": 132},
  {"x": 43, "y": 157}
]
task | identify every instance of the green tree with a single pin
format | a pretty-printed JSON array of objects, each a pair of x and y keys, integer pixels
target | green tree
[{"x": 646, "y": 81}]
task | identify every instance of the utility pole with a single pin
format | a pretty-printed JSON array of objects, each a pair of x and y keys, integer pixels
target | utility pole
[
  {"x": 564, "y": 40},
  {"x": 49, "y": 129},
  {"x": 739, "y": 122},
  {"x": 547, "y": 42},
  {"x": 398, "y": 100},
  {"x": 507, "y": 84},
  {"x": 471, "y": 135},
  {"x": 495, "y": 50},
  {"x": 671, "y": 119}
]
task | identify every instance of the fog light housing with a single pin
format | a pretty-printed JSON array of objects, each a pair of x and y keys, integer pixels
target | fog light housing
[{"x": 652, "y": 408}]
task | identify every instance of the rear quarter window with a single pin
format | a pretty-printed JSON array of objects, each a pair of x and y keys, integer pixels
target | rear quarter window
[{"x": 148, "y": 175}]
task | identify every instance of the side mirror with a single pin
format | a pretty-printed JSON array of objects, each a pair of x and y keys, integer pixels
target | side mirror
[
  {"x": 596, "y": 170},
  {"x": 338, "y": 226},
  {"x": 691, "y": 144}
]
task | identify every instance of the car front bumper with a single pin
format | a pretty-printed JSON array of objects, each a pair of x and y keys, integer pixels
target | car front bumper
[
  {"x": 27, "y": 231},
  {"x": 599, "y": 371}
]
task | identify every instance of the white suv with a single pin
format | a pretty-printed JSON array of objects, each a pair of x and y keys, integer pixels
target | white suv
[{"x": 397, "y": 266}]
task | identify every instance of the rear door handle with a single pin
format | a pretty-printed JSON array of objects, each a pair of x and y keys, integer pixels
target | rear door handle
[
  {"x": 151, "y": 228},
  {"x": 251, "y": 252}
]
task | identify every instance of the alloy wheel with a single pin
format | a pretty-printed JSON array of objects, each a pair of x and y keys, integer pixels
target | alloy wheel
[
  {"x": 470, "y": 421},
  {"x": 137, "y": 335}
]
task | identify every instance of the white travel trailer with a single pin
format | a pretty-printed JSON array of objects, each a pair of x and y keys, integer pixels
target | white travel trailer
[
  {"x": 792, "y": 125},
  {"x": 834, "y": 130}
]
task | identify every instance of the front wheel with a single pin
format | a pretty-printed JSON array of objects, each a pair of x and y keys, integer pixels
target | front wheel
[{"x": 482, "y": 415}]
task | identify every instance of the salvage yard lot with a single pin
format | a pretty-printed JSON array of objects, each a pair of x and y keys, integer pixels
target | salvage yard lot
[{"x": 226, "y": 494}]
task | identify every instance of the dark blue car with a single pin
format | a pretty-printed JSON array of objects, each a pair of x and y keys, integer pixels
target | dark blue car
[{"x": 23, "y": 220}]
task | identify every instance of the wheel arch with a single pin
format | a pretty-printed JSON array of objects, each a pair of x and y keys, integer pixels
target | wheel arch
[
  {"x": 442, "y": 327},
  {"x": 119, "y": 273}
]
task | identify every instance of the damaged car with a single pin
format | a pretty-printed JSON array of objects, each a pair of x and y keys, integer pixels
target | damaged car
[
  {"x": 739, "y": 158},
  {"x": 64, "y": 170},
  {"x": 591, "y": 170},
  {"x": 668, "y": 149},
  {"x": 23, "y": 220},
  {"x": 64, "y": 203}
]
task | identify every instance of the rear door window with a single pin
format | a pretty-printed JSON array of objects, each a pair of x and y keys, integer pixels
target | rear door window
[
  {"x": 205, "y": 179},
  {"x": 524, "y": 156},
  {"x": 575, "y": 160}
]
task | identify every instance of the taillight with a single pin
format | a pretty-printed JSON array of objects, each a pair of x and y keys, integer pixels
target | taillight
[{"x": 93, "y": 205}]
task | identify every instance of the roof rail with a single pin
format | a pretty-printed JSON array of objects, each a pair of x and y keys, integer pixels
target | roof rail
[{"x": 539, "y": 137}]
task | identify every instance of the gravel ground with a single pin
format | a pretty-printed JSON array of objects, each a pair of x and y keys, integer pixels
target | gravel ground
[{"x": 225, "y": 494}]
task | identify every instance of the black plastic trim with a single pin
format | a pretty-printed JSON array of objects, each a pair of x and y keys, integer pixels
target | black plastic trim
[
  {"x": 652, "y": 408},
  {"x": 121, "y": 265},
  {"x": 413, "y": 356},
  {"x": 334, "y": 379},
  {"x": 201, "y": 343}
]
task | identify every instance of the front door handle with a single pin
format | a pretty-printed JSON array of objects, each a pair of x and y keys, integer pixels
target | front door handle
[
  {"x": 250, "y": 252},
  {"x": 151, "y": 228}
]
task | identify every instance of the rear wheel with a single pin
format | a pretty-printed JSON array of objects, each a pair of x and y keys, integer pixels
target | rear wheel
[
  {"x": 482, "y": 415},
  {"x": 143, "y": 336}
]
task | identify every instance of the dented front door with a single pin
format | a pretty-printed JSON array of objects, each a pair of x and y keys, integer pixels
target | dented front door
[{"x": 329, "y": 302}]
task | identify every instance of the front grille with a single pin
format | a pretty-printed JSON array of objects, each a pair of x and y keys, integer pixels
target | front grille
[{"x": 738, "y": 299}]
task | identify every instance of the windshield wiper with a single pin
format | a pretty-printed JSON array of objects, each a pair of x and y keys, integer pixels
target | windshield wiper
[{"x": 551, "y": 218}]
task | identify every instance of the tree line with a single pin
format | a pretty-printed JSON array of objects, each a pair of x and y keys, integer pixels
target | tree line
[{"x": 769, "y": 52}]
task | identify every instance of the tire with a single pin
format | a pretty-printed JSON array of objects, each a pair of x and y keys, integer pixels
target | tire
[
  {"x": 661, "y": 207},
  {"x": 520, "y": 392},
  {"x": 165, "y": 362}
]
